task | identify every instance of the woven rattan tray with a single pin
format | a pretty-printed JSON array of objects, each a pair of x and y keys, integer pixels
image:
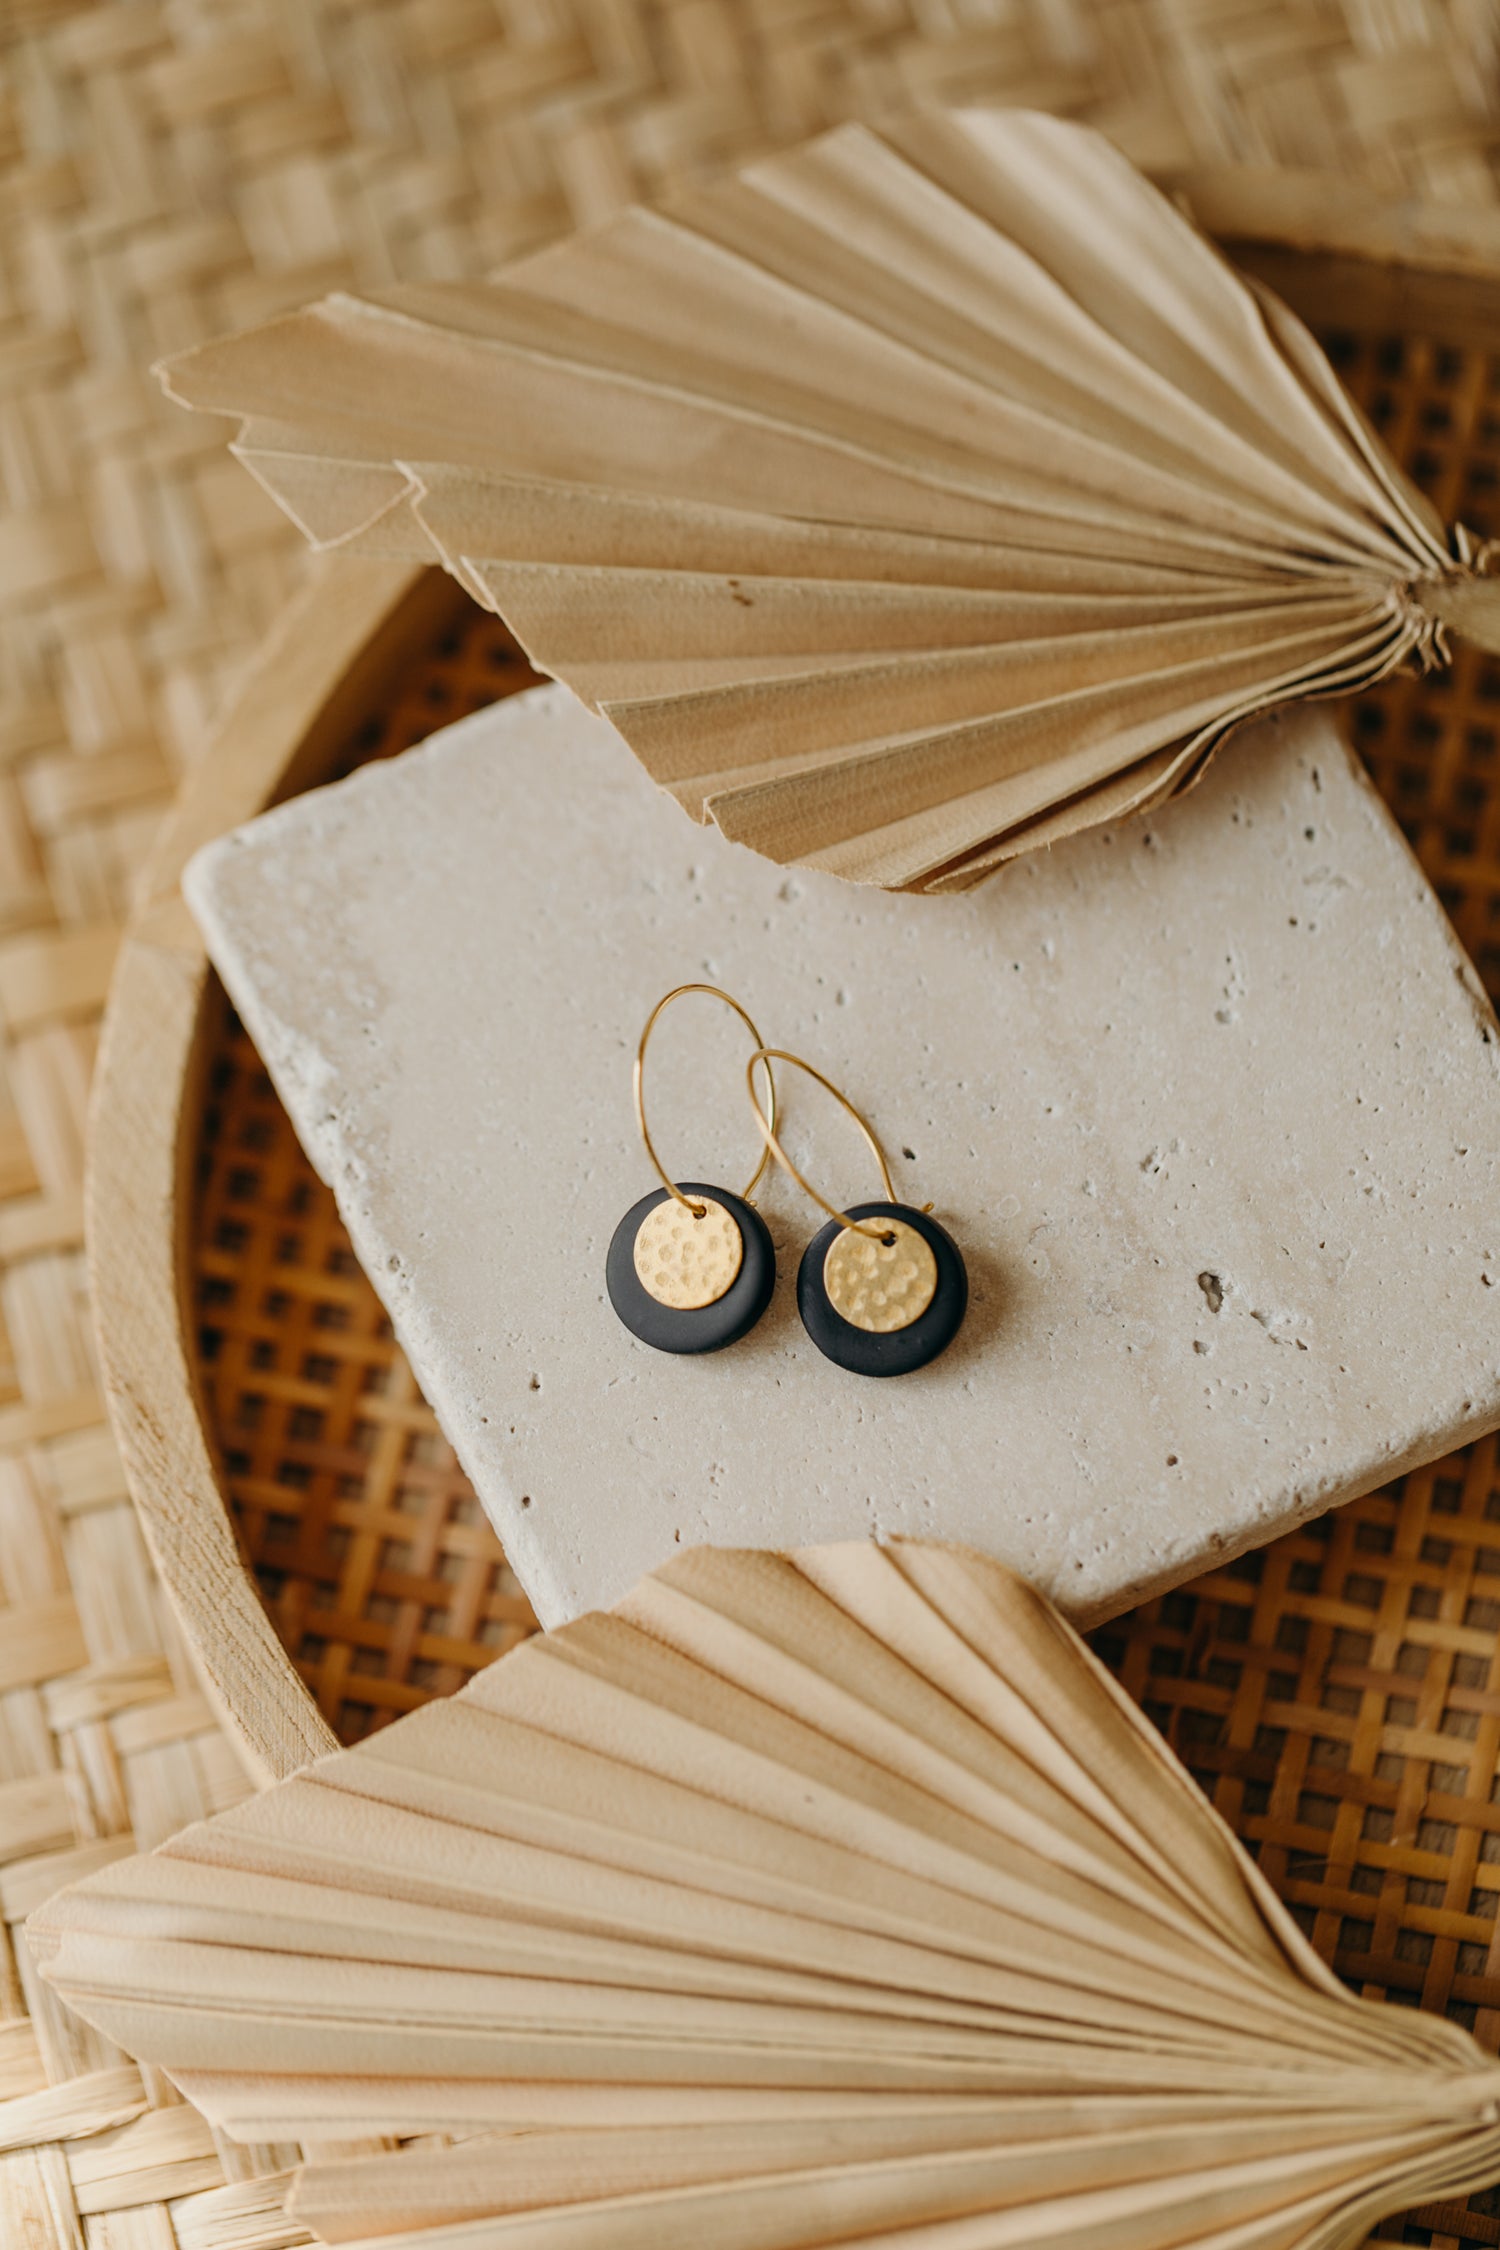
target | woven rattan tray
[{"x": 1337, "y": 1694}]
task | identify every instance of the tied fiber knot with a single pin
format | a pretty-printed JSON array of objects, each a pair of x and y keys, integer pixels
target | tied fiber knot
[{"x": 1467, "y": 599}]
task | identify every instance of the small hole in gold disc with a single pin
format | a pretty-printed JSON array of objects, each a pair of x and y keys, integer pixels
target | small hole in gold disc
[
  {"x": 684, "y": 1261},
  {"x": 880, "y": 1286}
]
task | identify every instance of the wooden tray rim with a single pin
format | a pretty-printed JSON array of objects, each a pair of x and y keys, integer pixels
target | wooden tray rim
[
  {"x": 337, "y": 646},
  {"x": 329, "y": 658}
]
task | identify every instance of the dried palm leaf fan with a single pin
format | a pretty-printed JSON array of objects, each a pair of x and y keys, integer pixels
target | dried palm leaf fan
[
  {"x": 833, "y": 1897},
  {"x": 906, "y": 501}
]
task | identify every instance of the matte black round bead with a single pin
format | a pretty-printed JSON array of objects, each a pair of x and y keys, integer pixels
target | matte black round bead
[
  {"x": 708, "y": 1328},
  {"x": 903, "y": 1350}
]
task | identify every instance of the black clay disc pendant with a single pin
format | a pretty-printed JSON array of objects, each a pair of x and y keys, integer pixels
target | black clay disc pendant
[
  {"x": 883, "y": 1308},
  {"x": 685, "y": 1284}
]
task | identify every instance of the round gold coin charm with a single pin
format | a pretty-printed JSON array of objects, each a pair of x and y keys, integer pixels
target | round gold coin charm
[
  {"x": 880, "y": 1286},
  {"x": 686, "y": 1262}
]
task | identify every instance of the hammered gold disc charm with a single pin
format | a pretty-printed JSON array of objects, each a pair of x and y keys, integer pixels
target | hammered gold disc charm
[
  {"x": 684, "y": 1262},
  {"x": 880, "y": 1286}
]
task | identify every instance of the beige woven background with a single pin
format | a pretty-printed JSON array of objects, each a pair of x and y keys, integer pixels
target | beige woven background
[{"x": 173, "y": 167}]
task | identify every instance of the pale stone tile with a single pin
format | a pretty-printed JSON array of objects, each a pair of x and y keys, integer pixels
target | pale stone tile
[{"x": 1209, "y": 1101}]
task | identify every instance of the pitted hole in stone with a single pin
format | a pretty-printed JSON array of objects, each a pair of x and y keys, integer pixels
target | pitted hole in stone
[
  {"x": 686, "y": 1262},
  {"x": 880, "y": 1286}
]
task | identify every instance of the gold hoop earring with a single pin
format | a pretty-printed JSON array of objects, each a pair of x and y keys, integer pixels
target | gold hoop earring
[
  {"x": 691, "y": 1267},
  {"x": 882, "y": 1289}
]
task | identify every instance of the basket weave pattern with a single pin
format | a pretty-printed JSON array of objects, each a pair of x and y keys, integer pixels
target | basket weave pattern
[{"x": 170, "y": 171}]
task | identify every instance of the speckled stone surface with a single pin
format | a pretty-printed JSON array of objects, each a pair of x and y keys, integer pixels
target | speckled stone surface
[{"x": 1210, "y": 1101}]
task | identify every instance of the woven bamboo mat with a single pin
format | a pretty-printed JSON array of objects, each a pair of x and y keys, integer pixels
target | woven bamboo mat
[{"x": 169, "y": 168}]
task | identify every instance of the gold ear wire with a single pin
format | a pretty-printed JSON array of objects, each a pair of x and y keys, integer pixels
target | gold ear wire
[
  {"x": 760, "y": 1055},
  {"x": 873, "y": 1228}
]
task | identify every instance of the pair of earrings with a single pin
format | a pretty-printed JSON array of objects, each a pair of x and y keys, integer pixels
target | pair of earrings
[{"x": 882, "y": 1289}]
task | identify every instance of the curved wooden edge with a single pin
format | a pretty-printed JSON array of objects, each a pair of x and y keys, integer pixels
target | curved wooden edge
[
  {"x": 1326, "y": 212},
  {"x": 1327, "y": 250},
  {"x": 334, "y": 652},
  {"x": 1345, "y": 258}
]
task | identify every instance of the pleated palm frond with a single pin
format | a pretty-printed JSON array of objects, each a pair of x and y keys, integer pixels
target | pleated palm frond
[
  {"x": 906, "y": 502},
  {"x": 832, "y": 1897}
]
